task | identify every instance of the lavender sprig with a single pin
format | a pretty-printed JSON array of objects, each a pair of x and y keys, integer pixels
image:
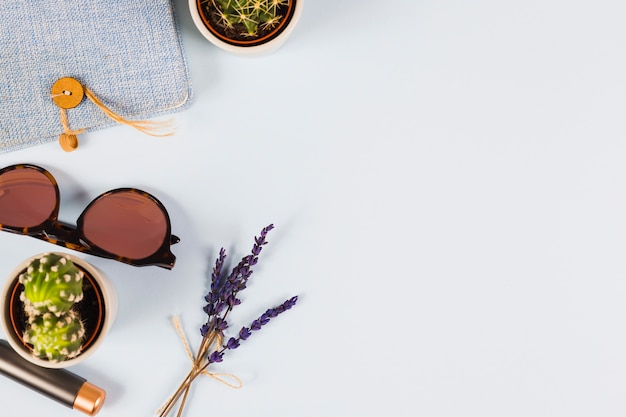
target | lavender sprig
[
  {"x": 222, "y": 296},
  {"x": 246, "y": 332},
  {"x": 221, "y": 299}
]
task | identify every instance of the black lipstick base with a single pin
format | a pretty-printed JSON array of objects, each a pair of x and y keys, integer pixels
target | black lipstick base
[{"x": 58, "y": 384}]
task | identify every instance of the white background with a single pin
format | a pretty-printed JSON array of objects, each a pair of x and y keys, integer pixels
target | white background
[{"x": 448, "y": 184}]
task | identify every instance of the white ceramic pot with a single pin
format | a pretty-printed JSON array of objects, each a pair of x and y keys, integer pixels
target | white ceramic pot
[
  {"x": 248, "y": 47},
  {"x": 100, "y": 300}
]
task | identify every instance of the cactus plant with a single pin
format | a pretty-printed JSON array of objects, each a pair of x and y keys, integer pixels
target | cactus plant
[
  {"x": 252, "y": 14},
  {"x": 55, "y": 337},
  {"x": 52, "y": 283},
  {"x": 52, "y": 287}
]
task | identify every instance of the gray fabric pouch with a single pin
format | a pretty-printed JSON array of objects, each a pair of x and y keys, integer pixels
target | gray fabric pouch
[{"x": 128, "y": 53}]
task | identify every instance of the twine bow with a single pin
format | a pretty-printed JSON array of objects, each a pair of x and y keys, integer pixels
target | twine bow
[{"x": 198, "y": 368}]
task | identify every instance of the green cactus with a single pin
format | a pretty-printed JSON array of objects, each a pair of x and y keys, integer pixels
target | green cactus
[
  {"x": 250, "y": 13},
  {"x": 52, "y": 283},
  {"x": 52, "y": 286},
  {"x": 55, "y": 338}
]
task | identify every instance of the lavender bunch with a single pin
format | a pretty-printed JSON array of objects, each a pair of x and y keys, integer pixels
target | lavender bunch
[{"x": 221, "y": 299}]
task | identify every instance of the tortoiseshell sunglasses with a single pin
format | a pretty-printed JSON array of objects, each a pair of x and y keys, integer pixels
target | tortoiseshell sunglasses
[{"x": 124, "y": 224}]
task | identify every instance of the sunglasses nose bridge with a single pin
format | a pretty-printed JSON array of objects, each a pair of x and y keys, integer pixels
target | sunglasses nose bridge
[{"x": 66, "y": 233}]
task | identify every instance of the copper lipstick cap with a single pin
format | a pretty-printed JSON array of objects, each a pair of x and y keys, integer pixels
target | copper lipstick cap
[{"x": 89, "y": 399}]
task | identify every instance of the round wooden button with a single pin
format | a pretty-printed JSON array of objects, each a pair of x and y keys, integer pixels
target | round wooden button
[{"x": 67, "y": 93}]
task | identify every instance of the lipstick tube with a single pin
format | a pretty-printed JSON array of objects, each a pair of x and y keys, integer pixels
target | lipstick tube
[{"x": 58, "y": 384}]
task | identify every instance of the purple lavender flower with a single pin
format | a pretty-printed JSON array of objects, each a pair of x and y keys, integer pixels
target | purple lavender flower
[
  {"x": 215, "y": 297},
  {"x": 244, "y": 333},
  {"x": 216, "y": 356},
  {"x": 273, "y": 312},
  {"x": 256, "y": 325},
  {"x": 233, "y": 343},
  {"x": 223, "y": 294},
  {"x": 220, "y": 324},
  {"x": 265, "y": 318},
  {"x": 242, "y": 272},
  {"x": 217, "y": 271},
  {"x": 290, "y": 303},
  {"x": 233, "y": 301}
]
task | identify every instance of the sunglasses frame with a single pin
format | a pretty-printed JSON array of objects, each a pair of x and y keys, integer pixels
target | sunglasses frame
[{"x": 64, "y": 234}]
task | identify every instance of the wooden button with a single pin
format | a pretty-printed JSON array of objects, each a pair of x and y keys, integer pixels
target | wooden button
[
  {"x": 67, "y": 93},
  {"x": 68, "y": 142}
]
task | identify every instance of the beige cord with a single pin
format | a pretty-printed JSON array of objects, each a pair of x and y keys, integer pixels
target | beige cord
[
  {"x": 216, "y": 376},
  {"x": 67, "y": 93}
]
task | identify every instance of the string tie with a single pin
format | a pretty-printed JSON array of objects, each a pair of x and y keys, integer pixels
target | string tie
[
  {"x": 67, "y": 93},
  {"x": 234, "y": 382}
]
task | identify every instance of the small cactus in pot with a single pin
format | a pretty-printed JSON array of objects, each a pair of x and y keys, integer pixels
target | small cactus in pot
[
  {"x": 56, "y": 309},
  {"x": 52, "y": 287},
  {"x": 246, "y": 27}
]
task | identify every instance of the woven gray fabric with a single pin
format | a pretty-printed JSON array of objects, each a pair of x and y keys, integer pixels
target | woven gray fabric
[{"x": 127, "y": 52}]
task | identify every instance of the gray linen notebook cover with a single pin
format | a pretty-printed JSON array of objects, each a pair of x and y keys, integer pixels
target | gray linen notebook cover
[{"x": 127, "y": 52}]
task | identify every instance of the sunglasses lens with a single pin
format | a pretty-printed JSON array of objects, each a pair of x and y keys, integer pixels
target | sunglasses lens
[
  {"x": 126, "y": 223},
  {"x": 27, "y": 198}
]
